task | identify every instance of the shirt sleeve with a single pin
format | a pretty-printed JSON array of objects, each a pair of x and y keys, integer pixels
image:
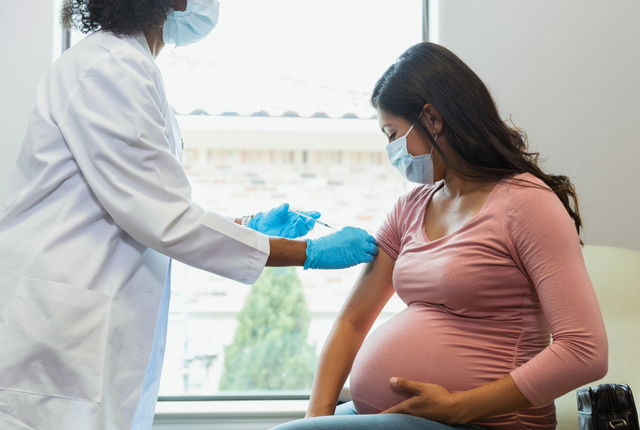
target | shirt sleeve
[
  {"x": 114, "y": 125},
  {"x": 543, "y": 240},
  {"x": 389, "y": 235}
]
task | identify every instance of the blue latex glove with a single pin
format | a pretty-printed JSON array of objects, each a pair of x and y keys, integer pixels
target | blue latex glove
[
  {"x": 282, "y": 222},
  {"x": 344, "y": 248}
]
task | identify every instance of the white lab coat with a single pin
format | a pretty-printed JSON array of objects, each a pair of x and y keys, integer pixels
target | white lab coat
[{"x": 98, "y": 204}]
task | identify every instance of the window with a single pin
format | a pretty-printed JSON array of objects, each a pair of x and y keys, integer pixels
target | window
[{"x": 274, "y": 107}]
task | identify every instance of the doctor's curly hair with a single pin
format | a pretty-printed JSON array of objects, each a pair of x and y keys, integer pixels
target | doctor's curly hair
[{"x": 123, "y": 17}]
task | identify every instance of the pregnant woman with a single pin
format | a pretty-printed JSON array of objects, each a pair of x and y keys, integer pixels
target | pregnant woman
[{"x": 487, "y": 256}]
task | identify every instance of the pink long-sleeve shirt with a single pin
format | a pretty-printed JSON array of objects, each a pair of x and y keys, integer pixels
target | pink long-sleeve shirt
[{"x": 484, "y": 302}]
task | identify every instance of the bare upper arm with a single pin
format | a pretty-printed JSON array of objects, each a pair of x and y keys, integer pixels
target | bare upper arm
[{"x": 371, "y": 292}]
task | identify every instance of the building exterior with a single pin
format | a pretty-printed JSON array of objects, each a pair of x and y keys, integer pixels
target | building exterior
[{"x": 241, "y": 165}]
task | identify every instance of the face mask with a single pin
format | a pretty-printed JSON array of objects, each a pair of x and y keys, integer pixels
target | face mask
[
  {"x": 415, "y": 169},
  {"x": 192, "y": 25}
]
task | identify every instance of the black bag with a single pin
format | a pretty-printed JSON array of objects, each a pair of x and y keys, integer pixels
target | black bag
[{"x": 607, "y": 406}]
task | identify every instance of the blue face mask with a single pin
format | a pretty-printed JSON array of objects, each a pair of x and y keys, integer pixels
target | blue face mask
[
  {"x": 192, "y": 25},
  {"x": 415, "y": 169}
]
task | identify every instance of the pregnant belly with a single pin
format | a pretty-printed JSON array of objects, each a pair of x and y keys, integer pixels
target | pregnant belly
[{"x": 425, "y": 344}]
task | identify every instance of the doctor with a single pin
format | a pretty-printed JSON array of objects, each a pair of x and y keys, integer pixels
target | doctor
[{"x": 99, "y": 204}]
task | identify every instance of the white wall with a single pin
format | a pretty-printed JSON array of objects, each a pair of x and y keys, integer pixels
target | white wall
[
  {"x": 26, "y": 29},
  {"x": 569, "y": 74}
]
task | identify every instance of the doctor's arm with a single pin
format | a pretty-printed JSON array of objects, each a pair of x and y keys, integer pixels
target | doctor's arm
[
  {"x": 114, "y": 123},
  {"x": 371, "y": 292},
  {"x": 115, "y": 130}
]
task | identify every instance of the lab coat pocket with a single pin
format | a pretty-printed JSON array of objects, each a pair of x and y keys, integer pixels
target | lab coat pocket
[{"x": 53, "y": 339}]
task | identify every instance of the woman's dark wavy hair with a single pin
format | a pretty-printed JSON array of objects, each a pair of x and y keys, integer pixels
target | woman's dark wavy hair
[
  {"x": 484, "y": 146},
  {"x": 123, "y": 17}
]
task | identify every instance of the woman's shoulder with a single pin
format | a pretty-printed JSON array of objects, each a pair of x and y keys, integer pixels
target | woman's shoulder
[
  {"x": 525, "y": 187},
  {"x": 529, "y": 201},
  {"x": 104, "y": 65},
  {"x": 524, "y": 180},
  {"x": 104, "y": 52},
  {"x": 410, "y": 202},
  {"x": 108, "y": 60}
]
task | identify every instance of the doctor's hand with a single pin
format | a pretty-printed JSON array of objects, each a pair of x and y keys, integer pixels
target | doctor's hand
[
  {"x": 344, "y": 248},
  {"x": 429, "y": 401},
  {"x": 282, "y": 222}
]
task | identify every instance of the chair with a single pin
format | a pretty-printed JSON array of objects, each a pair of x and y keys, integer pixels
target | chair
[{"x": 615, "y": 274}]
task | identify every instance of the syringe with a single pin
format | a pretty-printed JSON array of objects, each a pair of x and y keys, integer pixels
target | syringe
[{"x": 319, "y": 222}]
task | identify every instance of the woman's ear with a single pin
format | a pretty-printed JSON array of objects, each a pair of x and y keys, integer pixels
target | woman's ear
[
  {"x": 179, "y": 5},
  {"x": 431, "y": 119}
]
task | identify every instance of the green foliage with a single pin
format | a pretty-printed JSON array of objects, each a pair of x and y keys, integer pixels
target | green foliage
[{"x": 269, "y": 350}]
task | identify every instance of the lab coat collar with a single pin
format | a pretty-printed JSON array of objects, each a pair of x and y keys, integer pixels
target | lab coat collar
[{"x": 143, "y": 45}]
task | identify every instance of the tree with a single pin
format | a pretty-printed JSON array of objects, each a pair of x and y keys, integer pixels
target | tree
[{"x": 269, "y": 349}]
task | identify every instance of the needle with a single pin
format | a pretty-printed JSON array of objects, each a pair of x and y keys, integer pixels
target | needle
[{"x": 319, "y": 222}]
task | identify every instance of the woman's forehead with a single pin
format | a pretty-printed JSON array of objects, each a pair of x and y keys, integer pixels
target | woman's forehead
[{"x": 386, "y": 119}]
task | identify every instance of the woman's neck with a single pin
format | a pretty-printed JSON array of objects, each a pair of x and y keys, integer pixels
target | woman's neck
[
  {"x": 455, "y": 187},
  {"x": 154, "y": 35},
  {"x": 155, "y": 40}
]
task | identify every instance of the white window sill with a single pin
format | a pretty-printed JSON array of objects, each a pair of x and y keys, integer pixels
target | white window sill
[{"x": 227, "y": 414}]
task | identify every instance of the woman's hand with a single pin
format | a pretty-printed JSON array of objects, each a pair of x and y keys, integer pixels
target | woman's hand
[
  {"x": 437, "y": 404},
  {"x": 429, "y": 401}
]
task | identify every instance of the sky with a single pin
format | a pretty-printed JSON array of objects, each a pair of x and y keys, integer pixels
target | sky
[{"x": 291, "y": 55}]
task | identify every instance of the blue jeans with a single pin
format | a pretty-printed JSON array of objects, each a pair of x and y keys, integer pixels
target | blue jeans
[{"x": 346, "y": 418}]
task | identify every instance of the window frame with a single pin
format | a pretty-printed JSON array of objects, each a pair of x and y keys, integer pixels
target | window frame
[{"x": 241, "y": 411}]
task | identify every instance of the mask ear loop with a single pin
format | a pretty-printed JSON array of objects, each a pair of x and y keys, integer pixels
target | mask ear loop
[{"x": 435, "y": 139}]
